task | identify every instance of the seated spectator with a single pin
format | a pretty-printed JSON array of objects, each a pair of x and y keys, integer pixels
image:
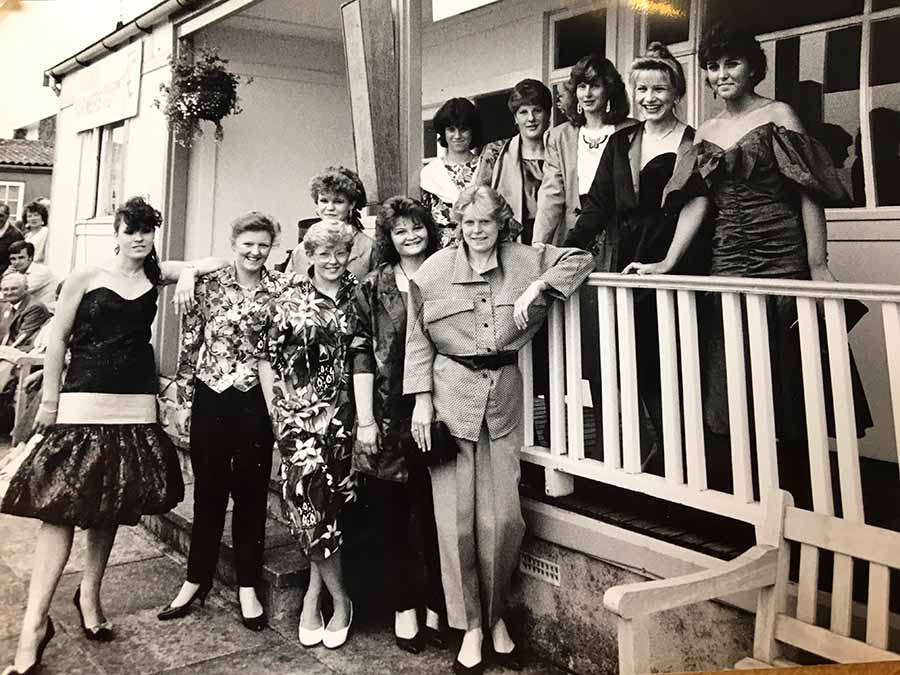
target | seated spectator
[
  {"x": 8, "y": 235},
  {"x": 36, "y": 216},
  {"x": 20, "y": 320},
  {"x": 41, "y": 282}
]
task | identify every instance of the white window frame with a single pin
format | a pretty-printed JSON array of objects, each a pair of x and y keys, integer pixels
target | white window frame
[{"x": 16, "y": 184}]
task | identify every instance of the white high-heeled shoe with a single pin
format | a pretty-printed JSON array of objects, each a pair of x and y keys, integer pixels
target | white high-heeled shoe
[
  {"x": 310, "y": 637},
  {"x": 335, "y": 638}
]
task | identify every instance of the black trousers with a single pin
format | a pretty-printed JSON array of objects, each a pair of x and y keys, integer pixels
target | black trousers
[
  {"x": 231, "y": 454},
  {"x": 402, "y": 514}
]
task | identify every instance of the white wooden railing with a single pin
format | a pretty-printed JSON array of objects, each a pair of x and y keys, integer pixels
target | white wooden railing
[{"x": 685, "y": 477}]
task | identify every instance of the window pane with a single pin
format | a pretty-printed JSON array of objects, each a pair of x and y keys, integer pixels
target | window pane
[
  {"x": 429, "y": 139},
  {"x": 818, "y": 75},
  {"x": 884, "y": 116},
  {"x": 670, "y": 24},
  {"x": 496, "y": 120},
  {"x": 766, "y": 16},
  {"x": 884, "y": 4},
  {"x": 579, "y": 35}
]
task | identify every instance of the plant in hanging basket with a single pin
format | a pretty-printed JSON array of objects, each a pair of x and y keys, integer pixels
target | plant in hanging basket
[{"x": 202, "y": 88}]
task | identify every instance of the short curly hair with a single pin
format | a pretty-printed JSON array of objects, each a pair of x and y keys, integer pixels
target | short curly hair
[
  {"x": 397, "y": 208},
  {"x": 597, "y": 69},
  {"x": 327, "y": 234},
  {"x": 459, "y": 113},
  {"x": 255, "y": 221},
  {"x": 38, "y": 208},
  {"x": 726, "y": 40},
  {"x": 341, "y": 180},
  {"x": 494, "y": 205}
]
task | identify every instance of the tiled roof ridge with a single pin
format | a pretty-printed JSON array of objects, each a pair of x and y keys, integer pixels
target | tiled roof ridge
[{"x": 23, "y": 152}]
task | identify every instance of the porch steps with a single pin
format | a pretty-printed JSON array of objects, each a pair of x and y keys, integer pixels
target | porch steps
[{"x": 285, "y": 568}]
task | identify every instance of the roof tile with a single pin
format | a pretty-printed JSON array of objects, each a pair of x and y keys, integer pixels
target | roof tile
[{"x": 25, "y": 153}]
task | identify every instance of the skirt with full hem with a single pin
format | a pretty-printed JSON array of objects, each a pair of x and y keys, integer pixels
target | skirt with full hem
[{"x": 92, "y": 475}]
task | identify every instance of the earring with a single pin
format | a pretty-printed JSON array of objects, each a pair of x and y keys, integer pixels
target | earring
[
  {"x": 579, "y": 109},
  {"x": 715, "y": 96},
  {"x": 116, "y": 249}
]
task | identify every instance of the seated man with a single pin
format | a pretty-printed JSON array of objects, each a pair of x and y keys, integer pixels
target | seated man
[
  {"x": 41, "y": 282},
  {"x": 21, "y": 317}
]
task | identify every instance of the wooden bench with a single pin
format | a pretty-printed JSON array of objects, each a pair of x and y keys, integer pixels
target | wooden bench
[
  {"x": 27, "y": 365},
  {"x": 764, "y": 568}
]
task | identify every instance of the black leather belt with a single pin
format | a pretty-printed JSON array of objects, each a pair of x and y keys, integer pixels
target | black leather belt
[{"x": 494, "y": 361}]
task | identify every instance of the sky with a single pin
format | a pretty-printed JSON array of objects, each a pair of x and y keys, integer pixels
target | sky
[{"x": 37, "y": 34}]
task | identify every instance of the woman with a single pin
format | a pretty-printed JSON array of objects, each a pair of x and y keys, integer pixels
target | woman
[
  {"x": 398, "y": 492},
  {"x": 100, "y": 458},
  {"x": 767, "y": 182},
  {"x": 339, "y": 196},
  {"x": 514, "y": 167},
  {"x": 471, "y": 309},
  {"x": 624, "y": 203},
  {"x": 457, "y": 124},
  {"x": 36, "y": 216},
  {"x": 230, "y": 431},
  {"x": 597, "y": 107},
  {"x": 305, "y": 374}
]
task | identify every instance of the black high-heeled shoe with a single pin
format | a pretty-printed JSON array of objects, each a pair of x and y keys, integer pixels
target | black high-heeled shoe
[
  {"x": 171, "y": 612},
  {"x": 101, "y": 633},
  {"x": 39, "y": 654},
  {"x": 460, "y": 669},
  {"x": 412, "y": 645},
  {"x": 255, "y": 623},
  {"x": 513, "y": 660}
]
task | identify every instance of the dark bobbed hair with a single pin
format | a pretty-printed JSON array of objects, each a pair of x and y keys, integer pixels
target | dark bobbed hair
[
  {"x": 530, "y": 92},
  {"x": 658, "y": 58},
  {"x": 394, "y": 209},
  {"x": 726, "y": 40},
  {"x": 6, "y": 208},
  {"x": 255, "y": 221},
  {"x": 492, "y": 202},
  {"x": 597, "y": 69},
  {"x": 139, "y": 216},
  {"x": 459, "y": 113},
  {"x": 341, "y": 180},
  {"x": 38, "y": 208},
  {"x": 22, "y": 245}
]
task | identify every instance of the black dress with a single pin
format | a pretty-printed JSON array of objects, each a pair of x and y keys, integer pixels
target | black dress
[
  {"x": 754, "y": 187},
  {"x": 105, "y": 474}
]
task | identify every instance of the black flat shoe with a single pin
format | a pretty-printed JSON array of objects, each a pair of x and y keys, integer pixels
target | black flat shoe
[
  {"x": 170, "y": 612},
  {"x": 460, "y": 669},
  {"x": 412, "y": 645},
  {"x": 434, "y": 637},
  {"x": 101, "y": 633},
  {"x": 510, "y": 660}
]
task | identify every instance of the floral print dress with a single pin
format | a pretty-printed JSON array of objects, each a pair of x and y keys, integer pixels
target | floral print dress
[{"x": 307, "y": 342}]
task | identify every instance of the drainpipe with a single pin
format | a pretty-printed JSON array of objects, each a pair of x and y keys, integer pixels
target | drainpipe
[{"x": 111, "y": 42}]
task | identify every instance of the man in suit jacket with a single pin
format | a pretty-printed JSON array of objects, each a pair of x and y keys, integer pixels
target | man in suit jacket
[
  {"x": 21, "y": 317},
  {"x": 41, "y": 282}
]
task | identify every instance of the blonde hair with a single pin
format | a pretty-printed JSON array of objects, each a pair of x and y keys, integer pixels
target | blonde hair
[
  {"x": 659, "y": 58},
  {"x": 487, "y": 198},
  {"x": 327, "y": 234}
]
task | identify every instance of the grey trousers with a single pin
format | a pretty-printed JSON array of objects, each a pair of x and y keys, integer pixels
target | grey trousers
[{"x": 480, "y": 527}]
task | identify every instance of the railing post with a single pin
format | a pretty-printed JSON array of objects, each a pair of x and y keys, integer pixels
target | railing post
[
  {"x": 609, "y": 376},
  {"x": 557, "y": 484},
  {"x": 695, "y": 445},
  {"x": 763, "y": 406},
  {"x": 574, "y": 399},
  {"x": 631, "y": 424},
  {"x": 736, "y": 382},
  {"x": 671, "y": 400},
  {"x": 526, "y": 367}
]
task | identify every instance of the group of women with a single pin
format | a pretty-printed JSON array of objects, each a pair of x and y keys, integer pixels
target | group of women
[{"x": 345, "y": 363}]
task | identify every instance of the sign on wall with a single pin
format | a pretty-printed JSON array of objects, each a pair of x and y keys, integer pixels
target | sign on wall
[
  {"x": 109, "y": 90},
  {"x": 443, "y": 9}
]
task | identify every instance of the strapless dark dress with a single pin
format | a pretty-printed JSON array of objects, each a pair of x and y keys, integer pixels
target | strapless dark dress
[
  {"x": 99, "y": 475},
  {"x": 757, "y": 231}
]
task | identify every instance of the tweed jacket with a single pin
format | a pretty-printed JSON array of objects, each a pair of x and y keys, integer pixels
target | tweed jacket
[
  {"x": 558, "y": 199},
  {"x": 18, "y": 327},
  {"x": 456, "y": 311},
  {"x": 379, "y": 347},
  {"x": 634, "y": 229}
]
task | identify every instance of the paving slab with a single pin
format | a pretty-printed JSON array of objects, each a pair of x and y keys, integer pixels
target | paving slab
[{"x": 278, "y": 659}]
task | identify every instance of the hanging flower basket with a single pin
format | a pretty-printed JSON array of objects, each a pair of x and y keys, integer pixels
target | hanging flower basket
[{"x": 202, "y": 88}]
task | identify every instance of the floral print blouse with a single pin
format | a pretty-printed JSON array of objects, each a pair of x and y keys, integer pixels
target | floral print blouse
[
  {"x": 462, "y": 176},
  {"x": 219, "y": 335},
  {"x": 307, "y": 342}
]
